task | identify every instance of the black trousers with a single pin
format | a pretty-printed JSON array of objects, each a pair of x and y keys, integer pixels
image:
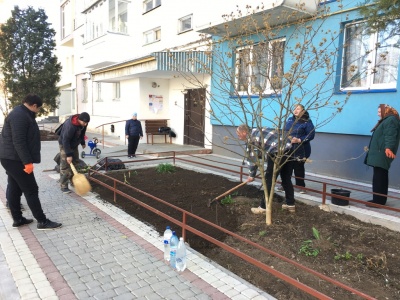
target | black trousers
[
  {"x": 286, "y": 177},
  {"x": 20, "y": 182},
  {"x": 299, "y": 171},
  {"x": 380, "y": 184},
  {"x": 133, "y": 142}
]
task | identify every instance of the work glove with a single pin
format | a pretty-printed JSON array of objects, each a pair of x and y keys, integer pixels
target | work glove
[
  {"x": 28, "y": 168},
  {"x": 389, "y": 153}
]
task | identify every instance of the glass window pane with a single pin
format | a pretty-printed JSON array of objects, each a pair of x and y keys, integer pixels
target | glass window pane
[
  {"x": 356, "y": 52},
  {"x": 243, "y": 62},
  {"x": 387, "y": 55}
]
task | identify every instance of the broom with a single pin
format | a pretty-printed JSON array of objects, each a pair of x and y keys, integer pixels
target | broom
[{"x": 81, "y": 184}]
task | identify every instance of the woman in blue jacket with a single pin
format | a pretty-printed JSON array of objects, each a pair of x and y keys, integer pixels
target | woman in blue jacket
[
  {"x": 302, "y": 131},
  {"x": 382, "y": 150}
]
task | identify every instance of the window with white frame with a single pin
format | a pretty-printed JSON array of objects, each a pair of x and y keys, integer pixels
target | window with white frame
[
  {"x": 185, "y": 23},
  {"x": 84, "y": 90},
  {"x": 150, "y": 4},
  {"x": 118, "y": 16},
  {"x": 96, "y": 21},
  {"x": 66, "y": 19},
  {"x": 259, "y": 68},
  {"x": 116, "y": 91},
  {"x": 98, "y": 91},
  {"x": 152, "y": 36},
  {"x": 370, "y": 59}
]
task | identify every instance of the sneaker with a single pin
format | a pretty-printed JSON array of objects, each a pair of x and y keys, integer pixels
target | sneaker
[
  {"x": 130, "y": 156},
  {"x": 48, "y": 225},
  {"x": 290, "y": 208},
  {"x": 21, "y": 222},
  {"x": 258, "y": 210},
  {"x": 303, "y": 192},
  {"x": 279, "y": 189},
  {"x": 65, "y": 190}
]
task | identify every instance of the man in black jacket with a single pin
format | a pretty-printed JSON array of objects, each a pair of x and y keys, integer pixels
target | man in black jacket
[
  {"x": 133, "y": 132},
  {"x": 19, "y": 150},
  {"x": 71, "y": 136}
]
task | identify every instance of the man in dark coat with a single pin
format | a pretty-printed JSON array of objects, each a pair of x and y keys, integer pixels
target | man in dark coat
[
  {"x": 133, "y": 132},
  {"x": 71, "y": 136},
  {"x": 19, "y": 150}
]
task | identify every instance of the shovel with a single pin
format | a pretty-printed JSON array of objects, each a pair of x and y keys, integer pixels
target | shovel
[
  {"x": 224, "y": 194},
  {"x": 81, "y": 184}
]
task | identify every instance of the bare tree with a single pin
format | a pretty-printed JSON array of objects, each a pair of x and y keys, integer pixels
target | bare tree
[{"x": 262, "y": 70}]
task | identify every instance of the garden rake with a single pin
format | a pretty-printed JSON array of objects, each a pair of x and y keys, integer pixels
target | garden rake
[{"x": 224, "y": 194}]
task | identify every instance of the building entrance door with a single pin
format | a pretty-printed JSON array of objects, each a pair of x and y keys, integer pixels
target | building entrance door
[{"x": 195, "y": 100}]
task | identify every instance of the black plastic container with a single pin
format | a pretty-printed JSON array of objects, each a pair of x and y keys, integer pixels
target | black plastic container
[{"x": 340, "y": 192}]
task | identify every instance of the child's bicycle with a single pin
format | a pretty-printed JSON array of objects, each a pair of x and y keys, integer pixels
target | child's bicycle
[{"x": 94, "y": 151}]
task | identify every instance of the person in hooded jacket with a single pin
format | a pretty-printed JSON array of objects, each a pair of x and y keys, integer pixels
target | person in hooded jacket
[
  {"x": 72, "y": 135},
  {"x": 382, "y": 150},
  {"x": 302, "y": 131},
  {"x": 20, "y": 148}
]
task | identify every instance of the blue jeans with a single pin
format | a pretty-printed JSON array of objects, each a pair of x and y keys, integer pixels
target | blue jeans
[{"x": 20, "y": 182}]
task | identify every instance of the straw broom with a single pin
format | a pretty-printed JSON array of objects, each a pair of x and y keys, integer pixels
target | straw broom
[{"x": 81, "y": 184}]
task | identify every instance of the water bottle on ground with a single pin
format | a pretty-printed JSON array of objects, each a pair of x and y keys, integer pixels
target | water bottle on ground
[
  {"x": 173, "y": 247},
  {"x": 181, "y": 255},
  {"x": 167, "y": 237}
]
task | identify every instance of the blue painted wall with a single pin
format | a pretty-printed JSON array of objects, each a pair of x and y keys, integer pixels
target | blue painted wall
[{"x": 344, "y": 136}]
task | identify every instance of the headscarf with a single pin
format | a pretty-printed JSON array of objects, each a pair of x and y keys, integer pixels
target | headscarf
[{"x": 386, "y": 110}]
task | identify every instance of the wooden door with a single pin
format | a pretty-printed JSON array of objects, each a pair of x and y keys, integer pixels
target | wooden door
[{"x": 195, "y": 100}]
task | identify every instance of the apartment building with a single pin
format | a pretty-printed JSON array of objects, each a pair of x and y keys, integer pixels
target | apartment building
[{"x": 121, "y": 57}]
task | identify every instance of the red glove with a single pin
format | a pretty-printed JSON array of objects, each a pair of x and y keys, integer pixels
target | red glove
[
  {"x": 389, "y": 153},
  {"x": 28, "y": 168}
]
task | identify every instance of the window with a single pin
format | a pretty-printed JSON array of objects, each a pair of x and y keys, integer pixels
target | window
[
  {"x": 99, "y": 91},
  {"x": 259, "y": 68},
  {"x": 84, "y": 90},
  {"x": 370, "y": 59},
  {"x": 150, "y": 4},
  {"x": 116, "y": 90},
  {"x": 118, "y": 16},
  {"x": 151, "y": 36},
  {"x": 96, "y": 21},
  {"x": 66, "y": 20},
  {"x": 185, "y": 24}
]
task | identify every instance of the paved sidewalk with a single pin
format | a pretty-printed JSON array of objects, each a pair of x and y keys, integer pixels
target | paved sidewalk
[{"x": 99, "y": 253}]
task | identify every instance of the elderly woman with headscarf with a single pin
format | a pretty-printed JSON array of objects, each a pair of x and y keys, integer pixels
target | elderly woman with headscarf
[{"x": 382, "y": 150}]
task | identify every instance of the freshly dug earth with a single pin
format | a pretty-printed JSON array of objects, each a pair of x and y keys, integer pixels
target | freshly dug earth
[{"x": 363, "y": 256}]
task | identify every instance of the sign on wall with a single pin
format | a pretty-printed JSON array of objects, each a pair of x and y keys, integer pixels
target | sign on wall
[{"x": 155, "y": 103}]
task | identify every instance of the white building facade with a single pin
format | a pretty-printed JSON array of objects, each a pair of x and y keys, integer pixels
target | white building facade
[{"x": 121, "y": 57}]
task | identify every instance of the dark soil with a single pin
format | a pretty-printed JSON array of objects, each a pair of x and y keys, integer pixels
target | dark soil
[
  {"x": 363, "y": 256},
  {"x": 46, "y": 135}
]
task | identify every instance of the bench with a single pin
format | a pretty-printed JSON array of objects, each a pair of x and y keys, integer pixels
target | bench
[{"x": 152, "y": 126}]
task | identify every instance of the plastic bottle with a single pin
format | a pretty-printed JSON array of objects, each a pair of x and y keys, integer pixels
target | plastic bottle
[
  {"x": 167, "y": 237},
  {"x": 173, "y": 247},
  {"x": 181, "y": 255}
]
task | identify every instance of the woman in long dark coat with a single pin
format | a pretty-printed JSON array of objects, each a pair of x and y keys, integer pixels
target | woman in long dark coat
[{"x": 382, "y": 150}]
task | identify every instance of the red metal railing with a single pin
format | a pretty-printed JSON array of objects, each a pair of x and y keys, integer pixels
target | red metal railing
[{"x": 185, "y": 227}]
